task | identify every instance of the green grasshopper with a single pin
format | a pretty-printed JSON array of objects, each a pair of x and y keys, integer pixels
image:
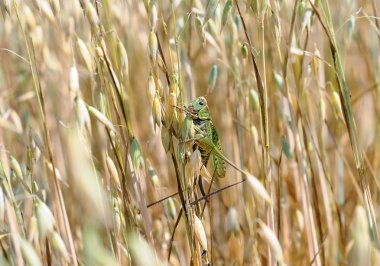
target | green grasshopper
[
  {"x": 206, "y": 137},
  {"x": 206, "y": 140}
]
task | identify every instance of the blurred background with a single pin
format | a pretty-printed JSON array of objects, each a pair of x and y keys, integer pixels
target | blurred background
[{"x": 92, "y": 131}]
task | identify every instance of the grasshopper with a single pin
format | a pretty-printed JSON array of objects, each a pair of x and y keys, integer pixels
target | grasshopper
[
  {"x": 206, "y": 137},
  {"x": 206, "y": 140}
]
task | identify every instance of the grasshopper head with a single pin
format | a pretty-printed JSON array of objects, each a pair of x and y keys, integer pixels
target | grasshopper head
[{"x": 199, "y": 108}]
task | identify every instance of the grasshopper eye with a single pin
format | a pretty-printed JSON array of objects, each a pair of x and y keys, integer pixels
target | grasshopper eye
[{"x": 201, "y": 102}]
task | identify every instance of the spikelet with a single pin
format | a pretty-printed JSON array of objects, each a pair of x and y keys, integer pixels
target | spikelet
[
  {"x": 151, "y": 89},
  {"x": 38, "y": 36},
  {"x": 99, "y": 53},
  {"x": 171, "y": 104},
  {"x": 322, "y": 108},
  {"x": 254, "y": 100},
  {"x": 46, "y": 10},
  {"x": 279, "y": 80},
  {"x": 101, "y": 118},
  {"x": 258, "y": 188},
  {"x": 174, "y": 88},
  {"x": 29, "y": 17},
  {"x": 45, "y": 219},
  {"x": 49, "y": 165},
  {"x": 153, "y": 177},
  {"x": 157, "y": 229},
  {"x": 300, "y": 220},
  {"x": 210, "y": 9},
  {"x": 200, "y": 233},
  {"x": 14, "y": 125},
  {"x": 59, "y": 246},
  {"x": 244, "y": 50},
  {"x": 236, "y": 65},
  {"x": 153, "y": 48},
  {"x": 200, "y": 29},
  {"x": 165, "y": 138},
  {"x": 17, "y": 124},
  {"x": 153, "y": 15},
  {"x": 316, "y": 63},
  {"x": 307, "y": 12},
  {"x": 32, "y": 228},
  {"x": 160, "y": 89},
  {"x": 157, "y": 115},
  {"x": 211, "y": 27},
  {"x": 336, "y": 104},
  {"x": 212, "y": 78},
  {"x": 271, "y": 239},
  {"x": 117, "y": 220},
  {"x": 92, "y": 16},
  {"x": 175, "y": 122},
  {"x": 226, "y": 13},
  {"x": 113, "y": 172},
  {"x": 232, "y": 221},
  {"x": 74, "y": 82},
  {"x": 172, "y": 210},
  {"x": 83, "y": 116},
  {"x": 29, "y": 253},
  {"x": 123, "y": 63},
  {"x": 16, "y": 168},
  {"x": 84, "y": 54}
]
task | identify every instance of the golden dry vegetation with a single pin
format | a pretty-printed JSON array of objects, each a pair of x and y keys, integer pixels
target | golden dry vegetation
[{"x": 94, "y": 132}]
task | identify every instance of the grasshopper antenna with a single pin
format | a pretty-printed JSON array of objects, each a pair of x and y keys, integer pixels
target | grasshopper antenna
[{"x": 200, "y": 199}]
